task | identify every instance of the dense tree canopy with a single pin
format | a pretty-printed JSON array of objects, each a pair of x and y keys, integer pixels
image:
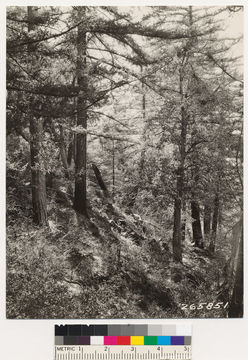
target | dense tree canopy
[{"x": 124, "y": 130}]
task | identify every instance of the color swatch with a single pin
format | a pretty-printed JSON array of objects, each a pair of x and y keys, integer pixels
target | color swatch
[
  {"x": 123, "y": 335},
  {"x": 123, "y": 330},
  {"x": 122, "y": 340}
]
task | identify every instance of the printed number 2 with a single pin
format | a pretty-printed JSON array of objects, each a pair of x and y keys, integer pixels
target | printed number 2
[{"x": 184, "y": 306}]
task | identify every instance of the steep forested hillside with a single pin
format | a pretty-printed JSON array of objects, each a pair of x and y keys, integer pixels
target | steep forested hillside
[{"x": 124, "y": 162}]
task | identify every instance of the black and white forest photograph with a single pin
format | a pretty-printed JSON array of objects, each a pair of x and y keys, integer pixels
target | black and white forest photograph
[{"x": 124, "y": 162}]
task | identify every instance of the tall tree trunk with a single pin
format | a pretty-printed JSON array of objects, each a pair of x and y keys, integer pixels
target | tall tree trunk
[
  {"x": 176, "y": 240},
  {"x": 71, "y": 152},
  {"x": 143, "y": 109},
  {"x": 207, "y": 220},
  {"x": 177, "y": 228},
  {"x": 80, "y": 197},
  {"x": 214, "y": 223},
  {"x": 113, "y": 169},
  {"x": 183, "y": 225},
  {"x": 196, "y": 224},
  {"x": 195, "y": 207},
  {"x": 38, "y": 178},
  {"x": 236, "y": 305}
]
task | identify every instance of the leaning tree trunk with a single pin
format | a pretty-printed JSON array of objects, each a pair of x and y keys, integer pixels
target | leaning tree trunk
[
  {"x": 214, "y": 223},
  {"x": 100, "y": 181},
  {"x": 196, "y": 224},
  {"x": 236, "y": 305},
  {"x": 38, "y": 178},
  {"x": 80, "y": 198}
]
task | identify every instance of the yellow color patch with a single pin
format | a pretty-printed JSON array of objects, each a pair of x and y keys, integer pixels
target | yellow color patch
[{"x": 137, "y": 340}]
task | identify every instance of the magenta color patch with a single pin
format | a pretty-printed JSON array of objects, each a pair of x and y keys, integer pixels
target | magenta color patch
[{"x": 110, "y": 340}]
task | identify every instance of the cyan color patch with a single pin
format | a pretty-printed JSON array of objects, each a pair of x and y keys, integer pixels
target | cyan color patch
[{"x": 163, "y": 340}]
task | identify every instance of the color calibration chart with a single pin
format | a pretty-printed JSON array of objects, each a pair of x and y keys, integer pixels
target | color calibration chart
[{"x": 123, "y": 342}]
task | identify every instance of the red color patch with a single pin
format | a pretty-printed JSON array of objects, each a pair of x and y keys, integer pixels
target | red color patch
[{"x": 123, "y": 340}]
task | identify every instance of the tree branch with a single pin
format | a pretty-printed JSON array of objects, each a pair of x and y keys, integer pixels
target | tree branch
[{"x": 210, "y": 57}]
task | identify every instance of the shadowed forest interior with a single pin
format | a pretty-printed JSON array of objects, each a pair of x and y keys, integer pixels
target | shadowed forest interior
[{"x": 124, "y": 162}]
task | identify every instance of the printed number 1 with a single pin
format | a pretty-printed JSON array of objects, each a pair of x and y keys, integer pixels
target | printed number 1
[{"x": 226, "y": 305}]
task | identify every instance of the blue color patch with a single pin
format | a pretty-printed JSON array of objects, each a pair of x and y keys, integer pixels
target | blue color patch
[{"x": 163, "y": 340}]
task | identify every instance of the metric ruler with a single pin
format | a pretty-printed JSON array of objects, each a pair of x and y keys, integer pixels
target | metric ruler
[
  {"x": 117, "y": 352},
  {"x": 123, "y": 342}
]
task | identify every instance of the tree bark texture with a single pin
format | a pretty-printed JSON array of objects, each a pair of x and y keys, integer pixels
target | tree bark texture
[
  {"x": 71, "y": 153},
  {"x": 207, "y": 220},
  {"x": 183, "y": 220},
  {"x": 214, "y": 223},
  {"x": 38, "y": 177},
  {"x": 176, "y": 241},
  {"x": 100, "y": 180},
  {"x": 177, "y": 228},
  {"x": 80, "y": 197},
  {"x": 113, "y": 168},
  {"x": 196, "y": 224}
]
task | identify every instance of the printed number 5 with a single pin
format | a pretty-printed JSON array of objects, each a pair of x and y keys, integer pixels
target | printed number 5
[
  {"x": 218, "y": 305},
  {"x": 201, "y": 305}
]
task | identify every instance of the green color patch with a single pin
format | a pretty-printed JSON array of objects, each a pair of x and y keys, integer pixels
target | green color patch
[{"x": 150, "y": 340}]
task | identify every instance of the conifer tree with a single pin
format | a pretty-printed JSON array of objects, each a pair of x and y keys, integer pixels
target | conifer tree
[{"x": 201, "y": 71}]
